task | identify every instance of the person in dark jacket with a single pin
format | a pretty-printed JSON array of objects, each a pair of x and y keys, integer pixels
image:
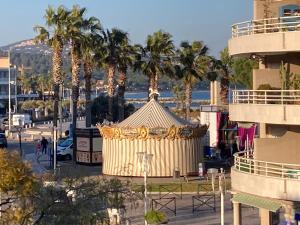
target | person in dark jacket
[{"x": 44, "y": 144}]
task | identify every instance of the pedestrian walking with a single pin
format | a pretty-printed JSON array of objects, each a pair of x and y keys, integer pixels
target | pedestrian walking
[
  {"x": 44, "y": 144},
  {"x": 38, "y": 148}
]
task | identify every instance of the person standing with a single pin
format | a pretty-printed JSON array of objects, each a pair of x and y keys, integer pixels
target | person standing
[{"x": 44, "y": 144}]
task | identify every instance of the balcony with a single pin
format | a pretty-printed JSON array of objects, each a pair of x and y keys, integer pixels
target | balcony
[
  {"x": 266, "y": 179},
  {"x": 266, "y": 106},
  {"x": 272, "y": 35}
]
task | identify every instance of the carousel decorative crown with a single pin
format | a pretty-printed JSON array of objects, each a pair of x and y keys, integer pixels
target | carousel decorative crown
[{"x": 153, "y": 92}]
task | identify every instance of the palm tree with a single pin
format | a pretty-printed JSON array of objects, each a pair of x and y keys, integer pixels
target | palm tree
[
  {"x": 126, "y": 58},
  {"x": 89, "y": 41},
  {"x": 113, "y": 40},
  {"x": 155, "y": 58},
  {"x": 192, "y": 65},
  {"x": 43, "y": 82},
  {"x": 224, "y": 69},
  {"x": 25, "y": 83},
  {"x": 76, "y": 28},
  {"x": 54, "y": 37}
]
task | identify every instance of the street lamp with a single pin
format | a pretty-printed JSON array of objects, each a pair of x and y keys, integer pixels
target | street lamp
[
  {"x": 144, "y": 160},
  {"x": 222, "y": 187},
  {"x": 9, "y": 90}
]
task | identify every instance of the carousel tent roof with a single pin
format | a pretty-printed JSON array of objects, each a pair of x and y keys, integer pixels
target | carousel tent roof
[{"x": 153, "y": 115}]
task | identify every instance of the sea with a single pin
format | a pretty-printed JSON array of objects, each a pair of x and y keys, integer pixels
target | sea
[{"x": 196, "y": 96}]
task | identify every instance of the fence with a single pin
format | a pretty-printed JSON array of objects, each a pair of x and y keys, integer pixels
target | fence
[
  {"x": 269, "y": 25},
  {"x": 287, "y": 97},
  {"x": 245, "y": 163}
]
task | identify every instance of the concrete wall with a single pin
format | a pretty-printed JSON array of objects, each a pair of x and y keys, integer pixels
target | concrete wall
[
  {"x": 260, "y": 43},
  {"x": 284, "y": 149},
  {"x": 270, "y": 113},
  {"x": 271, "y": 187},
  {"x": 266, "y": 76},
  {"x": 209, "y": 118}
]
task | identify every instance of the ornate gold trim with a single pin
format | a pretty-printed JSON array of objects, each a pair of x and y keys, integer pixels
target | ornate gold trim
[{"x": 152, "y": 133}]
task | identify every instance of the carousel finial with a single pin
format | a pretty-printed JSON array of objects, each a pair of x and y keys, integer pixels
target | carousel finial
[{"x": 153, "y": 93}]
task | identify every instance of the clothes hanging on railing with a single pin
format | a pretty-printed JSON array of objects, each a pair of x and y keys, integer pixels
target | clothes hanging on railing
[{"x": 246, "y": 136}]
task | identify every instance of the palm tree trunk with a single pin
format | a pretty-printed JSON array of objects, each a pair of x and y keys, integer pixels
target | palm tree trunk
[
  {"x": 224, "y": 89},
  {"x": 188, "y": 99},
  {"x": 56, "y": 64},
  {"x": 87, "y": 66},
  {"x": 46, "y": 111},
  {"x": 75, "y": 62},
  {"x": 153, "y": 84},
  {"x": 110, "y": 91},
  {"x": 121, "y": 92}
]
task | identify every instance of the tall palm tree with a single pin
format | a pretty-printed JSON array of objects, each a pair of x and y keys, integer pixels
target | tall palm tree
[
  {"x": 192, "y": 65},
  {"x": 54, "y": 35},
  {"x": 25, "y": 83},
  {"x": 77, "y": 25},
  {"x": 43, "y": 81},
  {"x": 89, "y": 42},
  {"x": 126, "y": 59},
  {"x": 113, "y": 40},
  {"x": 156, "y": 57},
  {"x": 223, "y": 67}
]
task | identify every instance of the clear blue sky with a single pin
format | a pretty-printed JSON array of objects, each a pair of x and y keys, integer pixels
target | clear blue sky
[{"x": 206, "y": 20}]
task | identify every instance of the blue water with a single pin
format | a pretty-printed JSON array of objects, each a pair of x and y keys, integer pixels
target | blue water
[
  {"x": 196, "y": 95},
  {"x": 199, "y": 95}
]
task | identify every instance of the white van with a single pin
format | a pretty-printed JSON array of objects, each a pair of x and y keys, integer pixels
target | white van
[{"x": 21, "y": 119}]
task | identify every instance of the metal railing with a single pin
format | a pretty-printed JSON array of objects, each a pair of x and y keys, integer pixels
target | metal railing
[
  {"x": 269, "y": 25},
  {"x": 284, "y": 97},
  {"x": 245, "y": 163}
]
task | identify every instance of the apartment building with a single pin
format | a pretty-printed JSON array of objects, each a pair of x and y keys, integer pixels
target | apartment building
[
  {"x": 4, "y": 81},
  {"x": 269, "y": 176}
]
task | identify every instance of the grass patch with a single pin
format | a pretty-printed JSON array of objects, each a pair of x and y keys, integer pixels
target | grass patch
[{"x": 178, "y": 187}]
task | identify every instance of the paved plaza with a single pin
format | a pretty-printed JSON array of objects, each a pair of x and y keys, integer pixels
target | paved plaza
[{"x": 184, "y": 207}]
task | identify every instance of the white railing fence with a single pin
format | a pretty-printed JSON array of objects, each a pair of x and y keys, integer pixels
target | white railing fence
[
  {"x": 245, "y": 163},
  {"x": 286, "y": 97},
  {"x": 269, "y": 25}
]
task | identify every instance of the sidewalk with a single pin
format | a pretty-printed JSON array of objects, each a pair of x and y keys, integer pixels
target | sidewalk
[{"x": 38, "y": 164}]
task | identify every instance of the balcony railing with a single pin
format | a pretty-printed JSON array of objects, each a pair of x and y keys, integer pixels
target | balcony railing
[
  {"x": 284, "y": 97},
  {"x": 269, "y": 25},
  {"x": 244, "y": 162}
]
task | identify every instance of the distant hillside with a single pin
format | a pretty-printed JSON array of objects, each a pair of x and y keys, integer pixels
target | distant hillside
[
  {"x": 28, "y": 47},
  {"x": 37, "y": 58}
]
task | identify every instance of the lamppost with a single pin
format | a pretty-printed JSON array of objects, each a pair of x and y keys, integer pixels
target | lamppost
[
  {"x": 222, "y": 187},
  {"x": 9, "y": 91},
  {"x": 145, "y": 161},
  {"x": 9, "y": 100}
]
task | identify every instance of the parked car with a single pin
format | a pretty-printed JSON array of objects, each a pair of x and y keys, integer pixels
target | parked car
[
  {"x": 65, "y": 150},
  {"x": 3, "y": 141}
]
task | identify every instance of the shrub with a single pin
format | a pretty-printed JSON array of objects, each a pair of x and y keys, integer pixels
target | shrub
[{"x": 155, "y": 217}]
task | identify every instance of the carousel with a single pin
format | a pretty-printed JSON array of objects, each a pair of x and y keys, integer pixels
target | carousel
[{"x": 174, "y": 143}]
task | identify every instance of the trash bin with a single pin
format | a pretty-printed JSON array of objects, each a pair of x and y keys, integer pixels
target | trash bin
[{"x": 176, "y": 173}]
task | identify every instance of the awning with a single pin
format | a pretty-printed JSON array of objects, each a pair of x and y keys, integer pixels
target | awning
[{"x": 255, "y": 201}]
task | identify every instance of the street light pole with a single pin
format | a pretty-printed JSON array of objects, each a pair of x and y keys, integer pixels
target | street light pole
[
  {"x": 222, "y": 190},
  {"x": 9, "y": 100},
  {"x": 16, "y": 92},
  {"x": 145, "y": 161}
]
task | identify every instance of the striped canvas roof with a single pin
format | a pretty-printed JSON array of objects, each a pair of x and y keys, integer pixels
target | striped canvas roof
[{"x": 153, "y": 115}]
